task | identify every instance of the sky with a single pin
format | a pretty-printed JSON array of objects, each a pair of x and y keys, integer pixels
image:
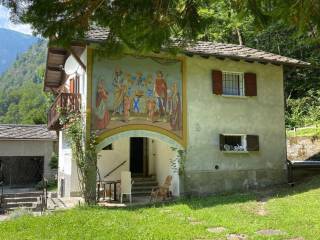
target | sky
[{"x": 5, "y": 22}]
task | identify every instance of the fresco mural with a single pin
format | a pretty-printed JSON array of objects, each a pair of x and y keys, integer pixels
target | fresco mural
[{"x": 137, "y": 90}]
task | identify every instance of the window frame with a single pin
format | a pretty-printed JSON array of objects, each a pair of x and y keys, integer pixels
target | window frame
[
  {"x": 243, "y": 143},
  {"x": 242, "y": 91},
  {"x": 109, "y": 147}
]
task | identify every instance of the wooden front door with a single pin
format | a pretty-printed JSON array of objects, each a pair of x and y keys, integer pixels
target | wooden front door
[{"x": 139, "y": 156}]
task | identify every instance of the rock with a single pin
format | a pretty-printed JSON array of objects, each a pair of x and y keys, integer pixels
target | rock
[
  {"x": 237, "y": 237},
  {"x": 216, "y": 229}
]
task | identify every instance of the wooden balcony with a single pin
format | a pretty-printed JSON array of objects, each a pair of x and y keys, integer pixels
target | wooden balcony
[{"x": 65, "y": 102}]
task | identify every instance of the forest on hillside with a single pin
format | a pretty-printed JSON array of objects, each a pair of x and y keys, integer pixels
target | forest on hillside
[{"x": 23, "y": 101}]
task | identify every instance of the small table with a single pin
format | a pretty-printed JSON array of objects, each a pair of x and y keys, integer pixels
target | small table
[{"x": 110, "y": 183}]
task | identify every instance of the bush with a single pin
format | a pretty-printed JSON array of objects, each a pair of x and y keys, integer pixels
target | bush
[
  {"x": 52, "y": 184},
  {"x": 54, "y": 162},
  {"x": 303, "y": 111}
]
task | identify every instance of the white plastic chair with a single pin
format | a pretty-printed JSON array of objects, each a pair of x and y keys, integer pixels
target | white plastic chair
[{"x": 126, "y": 185}]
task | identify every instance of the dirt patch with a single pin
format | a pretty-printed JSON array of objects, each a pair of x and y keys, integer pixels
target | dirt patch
[
  {"x": 261, "y": 209},
  {"x": 195, "y": 222},
  {"x": 271, "y": 232}
]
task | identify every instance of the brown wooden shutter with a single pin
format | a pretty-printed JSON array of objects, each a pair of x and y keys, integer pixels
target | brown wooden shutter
[
  {"x": 250, "y": 81},
  {"x": 252, "y": 143},
  {"x": 71, "y": 88},
  {"x": 217, "y": 82},
  {"x": 221, "y": 141}
]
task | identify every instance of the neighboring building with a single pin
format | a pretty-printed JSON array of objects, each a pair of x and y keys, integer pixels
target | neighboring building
[
  {"x": 25, "y": 153},
  {"x": 222, "y": 104}
]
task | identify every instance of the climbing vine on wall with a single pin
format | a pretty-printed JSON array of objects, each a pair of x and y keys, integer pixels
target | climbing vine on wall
[
  {"x": 83, "y": 153},
  {"x": 178, "y": 163}
]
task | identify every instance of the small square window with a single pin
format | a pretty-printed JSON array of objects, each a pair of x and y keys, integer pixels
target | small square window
[
  {"x": 233, "y": 84},
  {"x": 108, "y": 147}
]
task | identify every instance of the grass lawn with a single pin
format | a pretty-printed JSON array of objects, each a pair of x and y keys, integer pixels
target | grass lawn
[
  {"x": 304, "y": 132},
  {"x": 295, "y": 211}
]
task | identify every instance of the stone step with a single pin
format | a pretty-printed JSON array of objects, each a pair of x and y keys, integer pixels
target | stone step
[
  {"x": 141, "y": 193},
  {"x": 19, "y": 204},
  {"x": 142, "y": 187},
  {"x": 143, "y": 179},
  {"x": 20, "y": 199},
  {"x": 146, "y": 183},
  {"x": 22, "y": 194},
  {"x": 31, "y": 209}
]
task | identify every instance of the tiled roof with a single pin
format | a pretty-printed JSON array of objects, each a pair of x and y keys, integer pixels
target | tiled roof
[
  {"x": 36, "y": 132},
  {"x": 98, "y": 34}
]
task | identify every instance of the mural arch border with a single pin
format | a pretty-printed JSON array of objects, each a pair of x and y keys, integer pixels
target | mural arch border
[
  {"x": 109, "y": 137},
  {"x": 106, "y": 139}
]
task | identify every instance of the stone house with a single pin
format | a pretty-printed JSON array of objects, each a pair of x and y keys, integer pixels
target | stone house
[
  {"x": 221, "y": 104},
  {"x": 25, "y": 154}
]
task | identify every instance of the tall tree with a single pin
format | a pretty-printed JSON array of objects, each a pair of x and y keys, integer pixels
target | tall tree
[
  {"x": 139, "y": 24},
  {"x": 304, "y": 15}
]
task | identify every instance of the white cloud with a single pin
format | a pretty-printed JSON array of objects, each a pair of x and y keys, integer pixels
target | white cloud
[{"x": 6, "y": 23}]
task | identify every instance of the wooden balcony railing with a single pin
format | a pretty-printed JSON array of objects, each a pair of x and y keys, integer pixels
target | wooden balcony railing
[{"x": 65, "y": 102}]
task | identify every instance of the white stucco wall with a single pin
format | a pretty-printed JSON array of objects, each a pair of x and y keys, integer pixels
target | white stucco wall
[
  {"x": 210, "y": 115},
  {"x": 109, "y": 159},
  {"x": 161, "y": 157},
  {"x": 40, "y": 148},
  {"x": 64, "y": 167},
  {"x": 67, "y": 166}
]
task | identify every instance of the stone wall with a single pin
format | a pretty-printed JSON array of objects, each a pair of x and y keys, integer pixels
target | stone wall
[
  {"x": 37, "y": 148},
  {"x": 303, "y": 148}
]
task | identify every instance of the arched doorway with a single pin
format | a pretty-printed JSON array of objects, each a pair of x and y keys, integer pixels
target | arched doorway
[{"x": 147, "y": 155}]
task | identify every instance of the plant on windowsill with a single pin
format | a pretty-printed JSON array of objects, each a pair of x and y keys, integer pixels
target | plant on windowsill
[
  {"x": 230, "y": 148},
  {"x": 178, "y": 163},
  {"x": 83, "y": 152}
]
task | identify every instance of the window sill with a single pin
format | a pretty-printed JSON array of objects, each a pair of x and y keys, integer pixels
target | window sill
[
  {"x": 234, "y": 96},
  {"x": 237, "y": 152}
]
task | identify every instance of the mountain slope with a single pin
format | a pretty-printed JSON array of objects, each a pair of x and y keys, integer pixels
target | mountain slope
[
  {"x": 13, "y": 44},
  {"x": 27, "y": 67},
  {"x": 22, "y": 100}
]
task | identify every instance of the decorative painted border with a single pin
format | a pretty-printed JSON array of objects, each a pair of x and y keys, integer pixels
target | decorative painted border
[{"x": 106, "y": 134}]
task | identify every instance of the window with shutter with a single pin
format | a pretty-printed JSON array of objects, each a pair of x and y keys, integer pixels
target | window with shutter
[
  {"x": 217, "y": 82},
  {"x": 77, "y": 84},
  {"x": 222, "y": 142},
  {"x": 233, "y": 84},
  {"x": 250, "y": 80},
  {"x": 71, "y": 87},
  {"x": 252, "y": 143},
  {"x": 238, "y": 142}
]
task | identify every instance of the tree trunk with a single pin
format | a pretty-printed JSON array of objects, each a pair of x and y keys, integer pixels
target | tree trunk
[
  {"x": 239, "y": 37},
  {"x": 90, "y": 185}
]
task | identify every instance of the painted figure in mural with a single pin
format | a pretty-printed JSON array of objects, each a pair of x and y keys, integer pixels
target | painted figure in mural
[
  {"x": 169, "y": 101},
  {"x": 175, "y": 117},
  {"x": 101, "y": 113},
  {"x": 119, "y": 90},
  {"x": 126, "y": 108},
  {"x": 160, "y": 92},
  {"x": 151, "y": 110},
  {"x": 117, "y": 78},
  {"x": 140, "y": 79},
  {"x": 136, "y": 107}
]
